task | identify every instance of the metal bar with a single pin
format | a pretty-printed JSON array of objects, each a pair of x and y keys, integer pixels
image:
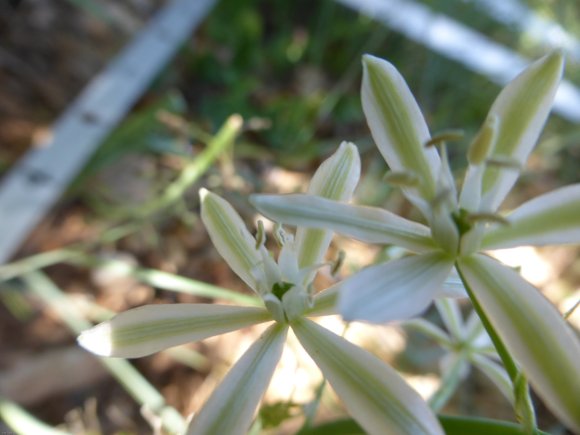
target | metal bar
[
  {"x": 458, "y": 42},
  {"x": 37, "y": 181}
]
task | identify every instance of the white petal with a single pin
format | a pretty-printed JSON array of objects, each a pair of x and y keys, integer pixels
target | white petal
[
  {"x": 368, "y": 224},
  {"x": 452, "y": 287},
  {"x": 374, "y": 394},
  {"x": 232, "y": 405},
  {"x": 533, "y": 331},
  {"x": 549, "y": 219},
  {"x": 149, "y": 329},
  {"x": 396, "y": 290},
  {"x": 230, "y": 236},
  {"x": 336, "y": 178},
  {"x": 522, "y": 108},
  {"x": 398, "y": 127}
]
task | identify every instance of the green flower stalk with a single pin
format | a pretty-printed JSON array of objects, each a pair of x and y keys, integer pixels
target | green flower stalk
[
  {"x": 460, "y": 226},
  {"x": 376, "y": 396}
]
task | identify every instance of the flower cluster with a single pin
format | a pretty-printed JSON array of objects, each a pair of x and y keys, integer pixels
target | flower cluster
[
  {"x": 460, "y": 226},
  {"x": 376, "y": 396},
  {"x": 447, "y": 248}
]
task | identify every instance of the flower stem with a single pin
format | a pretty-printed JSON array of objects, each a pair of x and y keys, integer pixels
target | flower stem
[{"x": 523, "y": 403}]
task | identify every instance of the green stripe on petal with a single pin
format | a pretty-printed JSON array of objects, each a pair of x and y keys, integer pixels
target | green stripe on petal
[
  {"x": 336, "y": 178},
  {"x": 397, "y": 125},
  {"x": 149, "y": 329},
  {"x": 549, "y": 219},
  {"x": 230, "y": 236},
  {"x": 231, "y": 407},
  {"x": 374, "y": 394},
  {"x": 396, "y": 290},
  {"x": 534, "y": 332},
  {"x": 368, "y": 224},
  {"x": 522, "y": 108}
]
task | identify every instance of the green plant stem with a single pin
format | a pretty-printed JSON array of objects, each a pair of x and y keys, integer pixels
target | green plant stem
[
  {"x": 172, "y": 194},
  {"x": 71, "y": 254},
  {"x": 523, "y": 404},
  {"x": 22, "y": 422},
  {"x": 35, "y": 262},
  {"x": 220, "y": 143},
  {"x": 135, "y": 384}
]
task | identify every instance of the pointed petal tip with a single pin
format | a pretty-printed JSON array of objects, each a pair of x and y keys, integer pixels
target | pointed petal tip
[
  {"x": 203, "y": 192},
  {"x": 348, "y": 146},
  {"x": 370, "y": 61},
  {"x": 96, "y": 340},
  {"x": 367, "y": 58},
  {"x": 557, "y": 57}
]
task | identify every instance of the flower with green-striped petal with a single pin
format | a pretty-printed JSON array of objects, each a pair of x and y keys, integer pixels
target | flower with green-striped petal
[
  {"x": 460, "y": 225},
  {"x": 376, "y": 396}
]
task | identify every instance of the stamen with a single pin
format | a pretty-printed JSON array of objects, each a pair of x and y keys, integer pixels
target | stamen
[
  {"x": 484, "y": 142},
  {"x": 336, "y": 265},
  {"x": 401, "y": 179},
  {"x": 279, "y": 234},
  {"x": 504, "y": 162},
  {"x": 451, "y": 135},
  {"x": 260, "y": 235}
]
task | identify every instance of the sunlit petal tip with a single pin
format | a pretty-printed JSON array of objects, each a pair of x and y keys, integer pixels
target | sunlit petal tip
[
  {"x": 203, "y": 193},
  {"x": 97, "y": 340}
]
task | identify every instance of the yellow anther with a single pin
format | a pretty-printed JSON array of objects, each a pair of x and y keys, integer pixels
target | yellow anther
[{"x": 484, "y": 142}]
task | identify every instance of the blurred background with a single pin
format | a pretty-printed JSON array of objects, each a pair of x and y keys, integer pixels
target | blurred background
[{"x": 123, "y": 230}]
